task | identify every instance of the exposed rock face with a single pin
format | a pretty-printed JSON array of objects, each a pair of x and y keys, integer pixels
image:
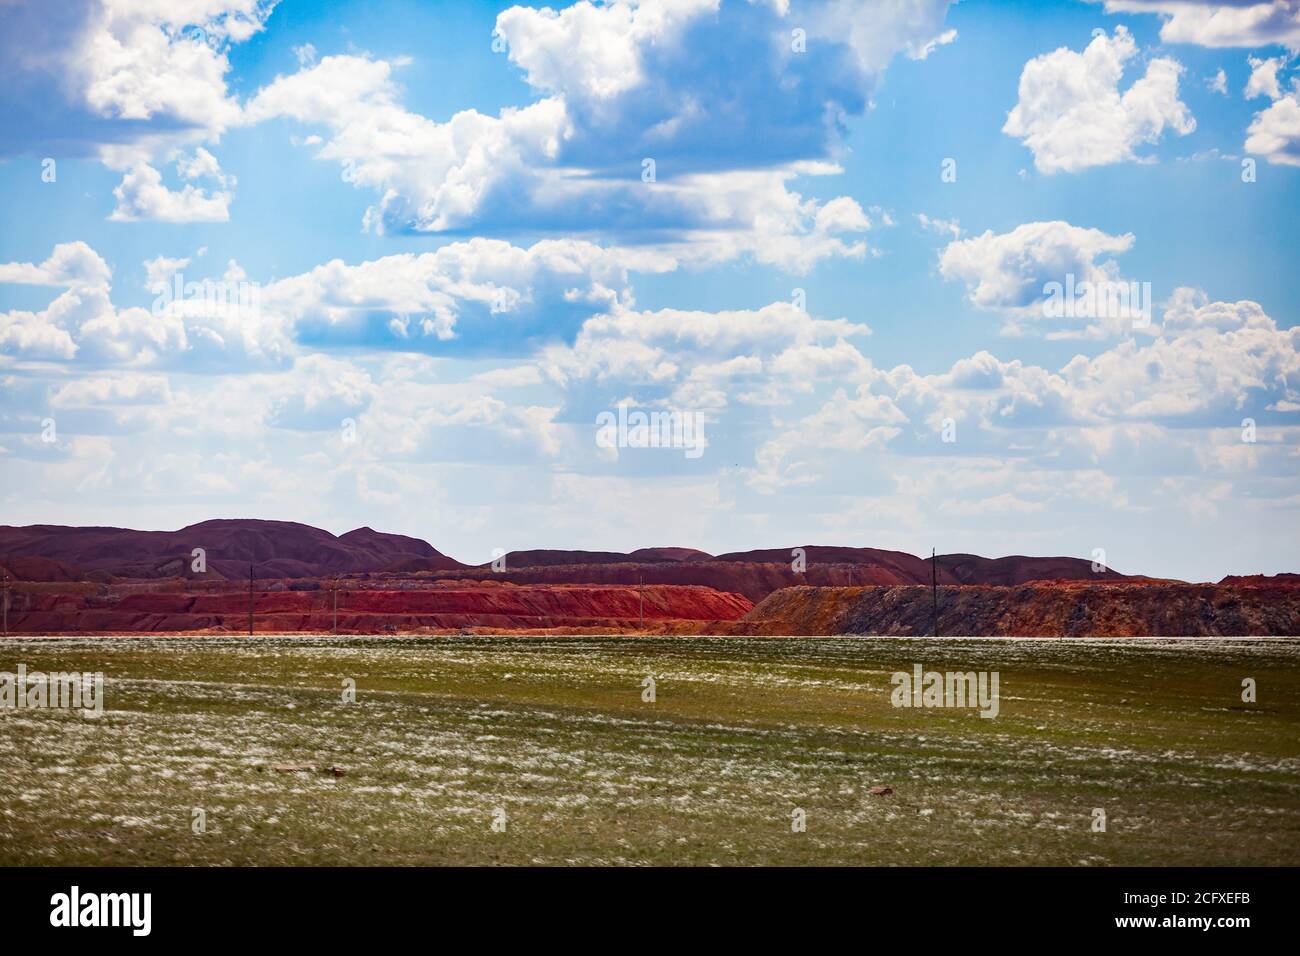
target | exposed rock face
[
  {"x": 31, "y": 568},
  {"x": 755, "y": 579},
  {"x": 98, "y": 580},
  {"x": 1033, "y": 610},
  {"x": 363, "y": 608}
]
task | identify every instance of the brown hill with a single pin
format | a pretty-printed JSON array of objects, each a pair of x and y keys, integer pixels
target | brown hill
[
  {"x": 33, "y": 568},
  {"x": 899, "y": 567},
  {"x": 551, "y": 557},
  {"x": 669, "y": 554},
  {"x": 1261, "y": 580},
  {"x": 756, "y": 574},
  {"x": 277, "y": 549},
  {"x": 283, "y": 549},
  {"x": 1018, "y": 569},
  {"x": 754, "y": 581},
  {"x": 1032, "y": 610}
]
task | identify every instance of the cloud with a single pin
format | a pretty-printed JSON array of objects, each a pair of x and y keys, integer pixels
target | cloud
[
  {"x": 1274, "y": 133},
  {"x": 142, "y": 195},
  {"x": 1209, "y": 365},
  {"x": 1208, "y": 23},
  {"x": 1263, "y": 77},
  {"x": 83, "y": 323},
  {"x": 945, "y": 227},
  {"x": 681, "y": 80},
  {"x": 1072, "y": 115},
  {"x": 865, "y": 422},
  {"x": 125, "y": 82},
  {"x": 159, "y": 270},
  {"x": 517, "y": 376},
  {"x": 488, "y": 295},
  {"x": 319, "y": 394},
  {"x": 1009, "y": 272},
  {"x": 32, "y": 335},
  {"x": 1218, "y": 83},
  {"x": 121, "y": 389},
  {"x": 647, "y": 127},
  {"x": 703, "y": 359},
  {"x": 434, "y": 176},
  {"x": 478, "y": 171},
  {"x": 1210, "y": 361},
  {"x": 71, "y": 264}
]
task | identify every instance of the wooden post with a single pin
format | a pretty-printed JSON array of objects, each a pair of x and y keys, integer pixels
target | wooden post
[
  {"x": 250, "y": 599},
  {"x": 6, "y": 604},
  {"x": 641, "y": 595},
  {"x": 336, "y": 605},
  {"x": 934, "y": 589}
]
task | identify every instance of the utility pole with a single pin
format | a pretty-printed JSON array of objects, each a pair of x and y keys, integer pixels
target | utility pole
[
  {"x": 336, "y": 605},
  {"x": 934, "y": 589},
  {"x": 6, "y": 604},
  {"x": 250, "y": 599},
  {"x": 641, "y": 594}
]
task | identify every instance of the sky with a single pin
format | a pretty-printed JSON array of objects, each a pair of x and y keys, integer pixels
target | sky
[{"x": 988, "y": 277}]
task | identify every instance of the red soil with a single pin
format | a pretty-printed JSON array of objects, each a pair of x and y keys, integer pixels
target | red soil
[
  {"x": 1161, "y": 609},
  {"x": 362, "y": 607},
  {"x": 100, "y": 580}
]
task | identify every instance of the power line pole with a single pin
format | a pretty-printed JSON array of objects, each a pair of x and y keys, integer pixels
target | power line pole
[
  {"x": 250, "y": 599},
  {"x": 934, "y": 589}
]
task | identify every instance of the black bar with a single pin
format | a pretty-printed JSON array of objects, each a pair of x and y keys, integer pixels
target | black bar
[{"x": 943, "y": 906}]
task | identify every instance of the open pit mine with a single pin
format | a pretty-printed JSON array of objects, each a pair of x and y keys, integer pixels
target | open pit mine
[{"x": 253, "y": 576}]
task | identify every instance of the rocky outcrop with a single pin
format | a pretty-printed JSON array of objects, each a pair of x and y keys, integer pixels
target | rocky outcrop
[
  {"x": 1033, "y": 610},
  {"x": 98, "y": 580},
  {"x": 757, "y": 579},
  {"x": 33, "y": 568},
  {"x": 364, "y": 607}
]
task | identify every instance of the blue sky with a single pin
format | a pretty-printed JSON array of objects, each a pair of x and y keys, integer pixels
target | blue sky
[{"x": 456, "y": 265}]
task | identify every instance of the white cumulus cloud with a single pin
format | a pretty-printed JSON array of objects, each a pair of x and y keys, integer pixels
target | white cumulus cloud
[{"x": 1072, "y": 114}]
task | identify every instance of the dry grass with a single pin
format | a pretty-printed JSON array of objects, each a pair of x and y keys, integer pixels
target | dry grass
[{"x": 446, "y": 731}]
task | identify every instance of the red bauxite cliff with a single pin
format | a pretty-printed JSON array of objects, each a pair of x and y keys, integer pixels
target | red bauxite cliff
[
  {"x": 1063, "y": 609},
  {"x": 111, "y": 580},
  {"x": 365, "y": 607}
]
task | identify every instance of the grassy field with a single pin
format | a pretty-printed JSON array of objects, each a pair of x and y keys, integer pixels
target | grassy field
[{"x": 552, "y": 736}]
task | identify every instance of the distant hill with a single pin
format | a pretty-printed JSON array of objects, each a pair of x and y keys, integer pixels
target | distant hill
[
  {"x": 1261, "y": 580},
  {"x": 1042, "y": 609},
  {"x": 756, "y": 574},
  {"x": 285, "y": 549},
  {"x": 282, "y": 549},
  {"x": 548, "y": 557}
]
